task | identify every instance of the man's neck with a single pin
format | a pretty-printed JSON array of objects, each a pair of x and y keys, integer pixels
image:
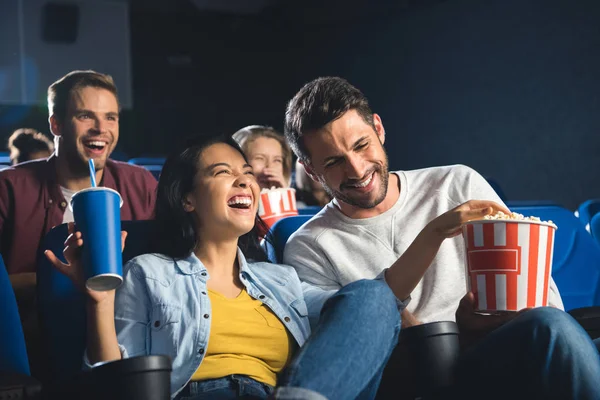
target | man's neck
[
  {"x": 71, "y": 180},
  {"x": 391, "y": 197}
]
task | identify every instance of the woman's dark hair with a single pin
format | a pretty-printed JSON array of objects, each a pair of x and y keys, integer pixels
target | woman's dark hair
[{"x": 175, "y": 234}]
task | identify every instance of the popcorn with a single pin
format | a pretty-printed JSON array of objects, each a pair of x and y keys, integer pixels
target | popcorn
[
  {"x": 265, "y": 190},
  {"x": 514, "y": 216}
]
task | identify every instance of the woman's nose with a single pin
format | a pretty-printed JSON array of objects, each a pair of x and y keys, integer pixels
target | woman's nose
[{"x": 244, "y": 181}]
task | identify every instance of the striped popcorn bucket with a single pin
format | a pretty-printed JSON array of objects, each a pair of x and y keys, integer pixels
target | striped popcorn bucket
[
  {"x": 509, "y": 263},
  {"x": 276, "y": 204}
]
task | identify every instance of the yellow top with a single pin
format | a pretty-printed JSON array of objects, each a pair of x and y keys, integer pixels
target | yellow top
[{"x": 246, "y": 338}]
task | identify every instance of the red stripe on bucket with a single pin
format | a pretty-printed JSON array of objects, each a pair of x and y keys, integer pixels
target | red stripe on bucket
[{"x": 534, "y": 239}]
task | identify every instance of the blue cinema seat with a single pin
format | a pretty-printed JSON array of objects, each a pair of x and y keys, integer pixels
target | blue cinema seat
[
  {"x": 15, "y": 379},
  {"x": 147, "y": 161},
  {"x": 119, "y": 155},
  {"x": 595, "y": 227},
  {"x": 576, "y": 260},
  {"x": 280, "y": 232},
  {"x": 13, "y": 353},
  {"x": 62, "y": 306},
  {"x": 309, "y": 210},
  {"x": 4, "y": 162},
  {"x": 152, "y": 164},
  {"x": 155, "y": 170},
  {"x": 586, "y": 211}
]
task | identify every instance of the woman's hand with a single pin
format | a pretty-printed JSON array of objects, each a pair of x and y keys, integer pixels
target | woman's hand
[
  {"x": 272, "y": 177},
  {"x": 450, "y": 223},
  {"x": 73, "y": 269}
]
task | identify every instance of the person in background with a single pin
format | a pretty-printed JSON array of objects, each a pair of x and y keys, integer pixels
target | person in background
[
  {"x": 308, "y": 191},
  {"x": 268, "y": 153},
  {"x": 34, "y": 197},
  {"x": 27, "y": 144}
]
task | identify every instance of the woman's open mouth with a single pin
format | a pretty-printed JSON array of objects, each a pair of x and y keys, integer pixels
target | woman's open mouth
[{"x": 240, "y": 202}]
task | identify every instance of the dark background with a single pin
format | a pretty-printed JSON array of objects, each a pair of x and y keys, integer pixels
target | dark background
[{"x": 508, "y": 87}]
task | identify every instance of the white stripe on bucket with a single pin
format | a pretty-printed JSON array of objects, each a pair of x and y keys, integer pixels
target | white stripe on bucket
[
  {"x": 481, "y": 295},
  {"x": 523, "y": 242},
  {"x": 478, "y": 235},
  {"x": 274, "y": 201},
  {"x": 286, "y": 202},
  {"x": 501, "y": 292},
  {"x": 261, "y": 208},
  {"x": 541, "y": 267},
  {"x": 500, "y": 234}
]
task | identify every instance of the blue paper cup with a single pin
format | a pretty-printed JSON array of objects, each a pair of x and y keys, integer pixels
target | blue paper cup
[{"x": 97, "y": 216}]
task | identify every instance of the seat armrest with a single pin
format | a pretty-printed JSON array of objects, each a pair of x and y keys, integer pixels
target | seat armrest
[
  {"x": 19, "y": 386},
  {"x": 589, "y": 319}
]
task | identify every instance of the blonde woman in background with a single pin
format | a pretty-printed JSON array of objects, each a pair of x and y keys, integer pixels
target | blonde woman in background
[{"x": 268, "y": 153}]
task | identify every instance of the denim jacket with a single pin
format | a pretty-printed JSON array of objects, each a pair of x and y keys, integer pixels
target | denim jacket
[{"x": 163, "y": 307}]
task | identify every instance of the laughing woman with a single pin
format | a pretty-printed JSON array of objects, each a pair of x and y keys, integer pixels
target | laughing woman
[{"x": 233, "y": 324}]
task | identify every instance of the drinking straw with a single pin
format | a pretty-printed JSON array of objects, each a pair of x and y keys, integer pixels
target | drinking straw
[{"x": 92, "y": 172}]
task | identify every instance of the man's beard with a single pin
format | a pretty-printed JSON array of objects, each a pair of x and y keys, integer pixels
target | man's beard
[
  {"x": 383, "y": 172},
  {"x": 78, "y": 164}
]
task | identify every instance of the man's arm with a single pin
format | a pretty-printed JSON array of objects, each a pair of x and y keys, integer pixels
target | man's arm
[{"x": 404, "y": 275}]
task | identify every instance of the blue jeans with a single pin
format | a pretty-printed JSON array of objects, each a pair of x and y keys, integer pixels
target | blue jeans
[
  {"x": 542, "y": 354},
  {"x": 227, "y": 388},
  {"x": 343, "y": 358}
]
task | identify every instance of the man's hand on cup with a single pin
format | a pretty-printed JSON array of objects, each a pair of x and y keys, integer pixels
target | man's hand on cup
[
  {"x": 73, "y": 268},
  {"x": 451, "y": 222}
]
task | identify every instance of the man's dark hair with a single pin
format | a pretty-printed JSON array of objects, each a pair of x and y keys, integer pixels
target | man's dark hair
[
  {"x": 61, "y": 91},
  {"x": 318, "y": 103}
]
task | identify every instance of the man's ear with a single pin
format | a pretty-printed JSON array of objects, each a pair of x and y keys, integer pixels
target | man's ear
[
  {"x": 309, "y": 171},
  {"x": 55, "y": 125},
  {"x": 379, "y": 129},
  {"x": 188, "y": 203}
]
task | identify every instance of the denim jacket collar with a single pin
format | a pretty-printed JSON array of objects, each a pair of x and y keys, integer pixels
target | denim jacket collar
[{"x": 192, "y": 265}]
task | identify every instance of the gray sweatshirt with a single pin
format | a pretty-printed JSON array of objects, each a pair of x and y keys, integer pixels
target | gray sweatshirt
[{"x": 332, "y": 250}]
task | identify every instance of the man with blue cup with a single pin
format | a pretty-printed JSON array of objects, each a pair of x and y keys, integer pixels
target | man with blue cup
[{"x": 35, "y": 196}]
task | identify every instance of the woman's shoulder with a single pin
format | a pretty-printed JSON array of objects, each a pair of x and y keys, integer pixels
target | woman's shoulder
[
  {"x": 271, "y": 270},
  {"x": 150, "y": 266},
  {"x": 150, "y": 259}
]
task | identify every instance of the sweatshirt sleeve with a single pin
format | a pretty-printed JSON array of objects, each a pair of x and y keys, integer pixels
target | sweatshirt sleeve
[{"x": 470, "y": 185}]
